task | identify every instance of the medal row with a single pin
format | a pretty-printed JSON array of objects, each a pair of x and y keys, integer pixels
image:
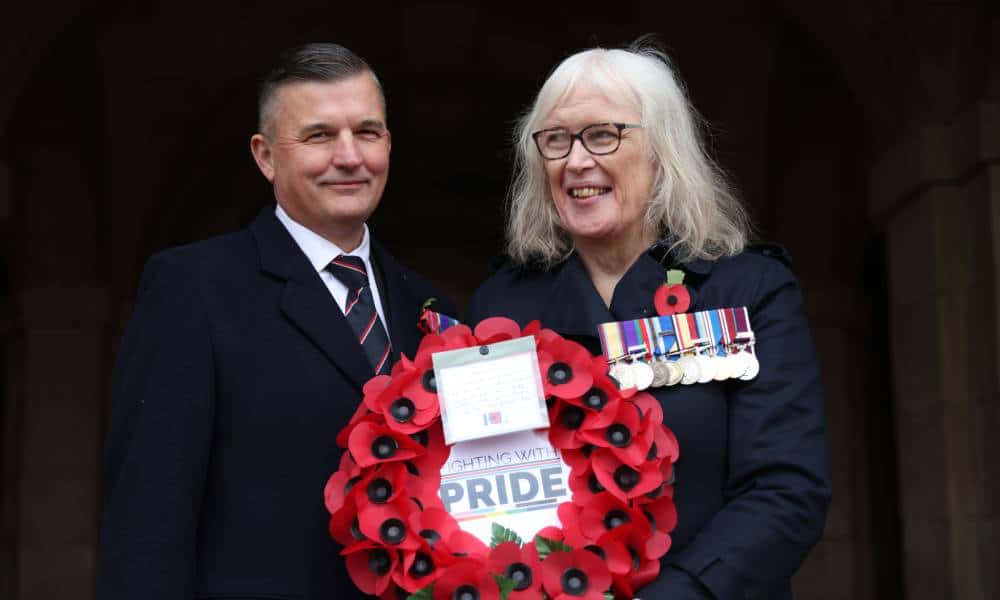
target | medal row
[{"x": 689, "y": 348}]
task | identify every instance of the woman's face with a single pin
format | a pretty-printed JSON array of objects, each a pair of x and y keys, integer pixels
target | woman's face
[{"x": 600, "y": 198}]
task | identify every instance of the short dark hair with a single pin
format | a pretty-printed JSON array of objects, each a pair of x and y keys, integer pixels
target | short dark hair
[{"x": 310, "y": 62}]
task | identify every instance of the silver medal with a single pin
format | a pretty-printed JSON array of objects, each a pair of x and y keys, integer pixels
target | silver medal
[
  {"x": 707, "y": 368},
  {"x": 722, "y": 369},
  {"x": 661, "y": 373},
  {"x": 690, "y": 368},
  {"x": 676, "y": 373},
  {"x": 753, "y": 367},
  {"x": 622, "y": 374},
  {"x": 642, "y": 374}
]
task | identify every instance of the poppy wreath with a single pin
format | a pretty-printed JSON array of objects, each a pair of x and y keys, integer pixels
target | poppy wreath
[{"x": 398, "y": 539}]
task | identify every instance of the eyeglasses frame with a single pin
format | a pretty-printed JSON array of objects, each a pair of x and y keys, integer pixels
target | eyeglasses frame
[{"x": 579, "y": 136}]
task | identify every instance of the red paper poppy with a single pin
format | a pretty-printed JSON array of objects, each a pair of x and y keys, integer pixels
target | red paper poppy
[
  {"x": 569, "y": 516},
  {"x": 370, "y": 566},
  {"x": 433, "y": 524},
  {"x": 520, "y": 564},
  {"x": 371, "y": 444},
  {"x": 462, "y": 543},
  {"x": 565, "y": 368},
  {"x": 565, "y": 421},
  {"x": 624, "y": 481},
  {"x": 628, "y": 436},
  {"x": 662, "y": 516},
  {"x": 344, "y": 526},
  {"x": 606, "y": 512},
  {"x": 600, "y": 402},
  {"x": 422, "y": 567},
  {"x": 467, "y": 576},
  {"x": 497, "y": 329},
  {"x": 579, "y": 458},
  {"x": 577, "y": 574},
  {"x": 644, "y": 568},
  {"x": 388, "y": 524},
  {"x": 382, "y": 485},
  {"x": 584, "y": 484},
  {"x": 671, "y": 299},
  {"x": 613, "y": 552}
]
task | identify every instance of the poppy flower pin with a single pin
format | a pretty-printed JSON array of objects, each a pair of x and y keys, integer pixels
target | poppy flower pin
[{"x": 672, "y": 297}]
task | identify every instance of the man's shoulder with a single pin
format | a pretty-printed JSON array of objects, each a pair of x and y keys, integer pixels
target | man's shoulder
[{"x": 192, "y": 265}]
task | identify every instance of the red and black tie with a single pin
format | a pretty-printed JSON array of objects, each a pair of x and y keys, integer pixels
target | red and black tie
[{"x": 360, "y": 310}]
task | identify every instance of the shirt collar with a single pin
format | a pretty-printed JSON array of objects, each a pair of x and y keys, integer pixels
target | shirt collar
[{"x": 319, "y": 250}]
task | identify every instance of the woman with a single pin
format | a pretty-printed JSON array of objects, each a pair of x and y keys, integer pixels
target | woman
[{"x": 612, "y": 188}]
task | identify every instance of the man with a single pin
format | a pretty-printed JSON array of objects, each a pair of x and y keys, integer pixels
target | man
[{"x": 247, "y": 354}]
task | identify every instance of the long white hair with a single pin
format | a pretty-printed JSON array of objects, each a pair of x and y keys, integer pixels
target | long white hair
[{"x": 692, "y": 206}]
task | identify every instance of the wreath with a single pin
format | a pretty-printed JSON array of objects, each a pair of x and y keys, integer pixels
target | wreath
[{"x": 398, "y": 539}]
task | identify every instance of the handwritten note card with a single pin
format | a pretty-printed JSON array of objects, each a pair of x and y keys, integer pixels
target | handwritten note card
[{"x": 490, "y": 390}]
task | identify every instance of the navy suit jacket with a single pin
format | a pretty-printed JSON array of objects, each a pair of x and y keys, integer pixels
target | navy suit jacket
[
  {"x": 752, "y": 484},
  {"x": 233, "y": 378}
]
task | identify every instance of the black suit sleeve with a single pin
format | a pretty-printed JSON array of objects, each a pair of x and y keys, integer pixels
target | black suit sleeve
[
  {"x": 778, "y": 490},
  {"x": 159, "y": 440}
]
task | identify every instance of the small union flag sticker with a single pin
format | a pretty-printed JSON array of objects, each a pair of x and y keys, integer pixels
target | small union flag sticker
[{"x": 492, "y": 418}]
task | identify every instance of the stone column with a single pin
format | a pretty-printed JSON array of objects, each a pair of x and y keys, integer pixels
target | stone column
[
  {"x": 60, "y": 343},
  {"x": 57, "y": 349},
  {"x": 939, "y": 192}
]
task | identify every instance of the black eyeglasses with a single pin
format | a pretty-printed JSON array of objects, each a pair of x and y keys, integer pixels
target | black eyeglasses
[{"x": 600, "y": 138}]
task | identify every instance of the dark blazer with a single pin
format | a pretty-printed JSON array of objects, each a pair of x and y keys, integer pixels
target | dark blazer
[
  {"x": 233, "y": 378},
  {"x": 752, "y": 484}
]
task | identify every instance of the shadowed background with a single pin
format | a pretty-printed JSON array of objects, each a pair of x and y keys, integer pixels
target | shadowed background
[{"x": 864, "y": 136}]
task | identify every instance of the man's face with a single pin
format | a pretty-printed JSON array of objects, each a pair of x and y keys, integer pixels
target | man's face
[{"x": 326, "y": 150}]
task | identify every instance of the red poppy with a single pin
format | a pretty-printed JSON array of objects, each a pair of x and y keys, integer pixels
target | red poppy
[
  {"x": 467, "y": 577},
  {"x": 520, "y": 564},
  {"x": 388, "y": 524},
  {"x": 433, "y": 524},
  {"x": 497, "y": 329},
  {"x": 642, "y": 573},
  {"x": 577, "y": 458},
  {"x": 565, "y": 420},
  {"x": 584, "y": 484},
  {"x": 671, "y": 299},
  {"x": 624, "y": 481},
  {"x": 381, "y": 485},
  {"x": 606, "y": 512},
  {"x": 572, "y": 534},
  {"x": 565, "y": 368},
  {"x": 459, "y": 336},
  {"x": 613, "y": 552},
  {"x": 371, "y": 444},
  {"x": 628, "y": 436},
  {"x": 602, "y": 394},
  {"x": 644, "y": 568},
  {"x": 370, "y": 566},
  {"x": 662, "y": 516},
  {"x": 336, "y": 491},
  {"x": 421, "y": 567},
  {"x": 575, "y": 574},
  {"x": 343, "y": 525},
  {"x": 463, "y": 543}
]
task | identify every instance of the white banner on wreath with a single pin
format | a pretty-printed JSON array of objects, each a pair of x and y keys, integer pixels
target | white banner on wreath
[{"x": 517, "y": 480}]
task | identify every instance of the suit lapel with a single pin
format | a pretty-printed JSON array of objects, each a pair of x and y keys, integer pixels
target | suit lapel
[
  {"x": 306, "y": 301},
  {"x": 401, "y": 306}
]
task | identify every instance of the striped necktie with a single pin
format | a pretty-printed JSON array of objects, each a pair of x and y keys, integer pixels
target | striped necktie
[{"x": 360, "y": 310}]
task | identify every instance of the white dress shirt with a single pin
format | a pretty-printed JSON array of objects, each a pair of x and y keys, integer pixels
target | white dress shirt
[{"x": 320, "y": 251}]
